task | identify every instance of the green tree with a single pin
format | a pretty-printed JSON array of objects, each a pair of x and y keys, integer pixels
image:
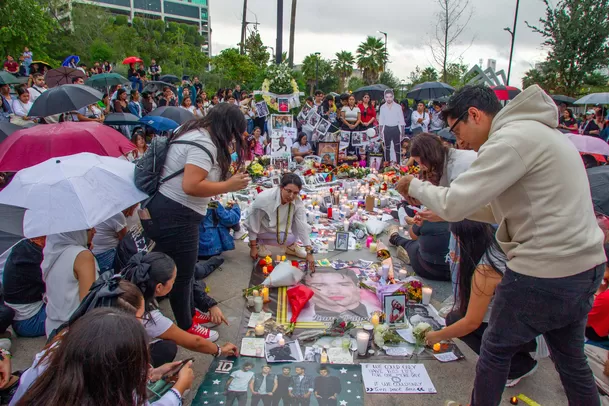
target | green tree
[
  {"x": 576, "y": 33},
  {"x": 389, "y": 79},
  {"x": 100, "y": 51},
  {"x": 315, "y": 67},
  {"x": 255, "y": 49},
  {"x": 371, "y": 59},
  {"x": 24, "y": 23},
  {"x": 355, "y": 83},
  {"x": 455, "y": 74},
  {"x": 236, "y": 68},
  {"x": 343, "y": 67},
  {"x": 428, "y": 74}
]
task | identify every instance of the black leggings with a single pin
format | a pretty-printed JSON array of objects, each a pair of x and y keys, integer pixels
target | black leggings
[
  {"x": 162, "y": 352},
  {"x": 175, "y": 229},
  {"x": 391, "y": 135},
  {"x": 424, "y": 269}
]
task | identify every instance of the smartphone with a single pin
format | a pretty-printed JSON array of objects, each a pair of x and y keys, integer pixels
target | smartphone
[{"x": 177, "y": 369}]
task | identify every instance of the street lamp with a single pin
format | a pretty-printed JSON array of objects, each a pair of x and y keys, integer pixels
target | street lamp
[
  {"x": 316, "y": 69},
  {"x": 513, "y": 34},
  {"x": 384, "y": 60}
]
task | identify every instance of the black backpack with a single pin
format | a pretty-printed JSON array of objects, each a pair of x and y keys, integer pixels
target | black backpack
[{"x": 148, "y": 167}]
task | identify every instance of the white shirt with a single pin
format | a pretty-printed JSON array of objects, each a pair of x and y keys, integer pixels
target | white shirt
[
  {"x": 351, "y": 113},
  {"x": 180, "y": 155},
  {"x": 157, "y": 325},
  {"x": 20, "y": 108},
  {"x": 191, "y": 109},
  {"x": 106, "y": 233},
  {"x": 240, "y": 381},
  {"x": 35, "y": 92},
  {"x": 391, "y": 115},
  {"x": 416, "y": 116},
  {"x": 436, "y": 123}
]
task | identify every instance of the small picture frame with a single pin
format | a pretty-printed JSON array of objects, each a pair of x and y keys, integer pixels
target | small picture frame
[
  {"x": 327, "y": 201},
  {"x": 328, "y": 151},
  {"x": 375, "y": 160},
  {"x": 275, "y": 181},
  {"x": 342, "y": 241},
  {"x": 394, "y": 307},
  {"x": 284, "y": 105}
]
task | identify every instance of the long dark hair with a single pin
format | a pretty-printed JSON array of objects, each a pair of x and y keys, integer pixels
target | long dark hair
[
  {"x": 476, "y": 241},
  {"x": 101, "y": 361},
  {"x": 428, "y": 147},
  {"x": 148, "y": 270},
  {"x": 225, "y": 124}
]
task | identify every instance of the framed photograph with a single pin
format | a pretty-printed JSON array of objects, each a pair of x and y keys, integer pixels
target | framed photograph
[
  {"x": 419, "y": 313},
  {"x": 342, "y": 241},
  {"x": 323, "y": 126},
  {"x": 356, "y": 138},
  {"x": 302, "y": 116},
  {"x": 328, "y": 151},
  {"x": 262, "y": 110},
  {"x": 275, "y": 181},
  {"x": 394, "y": 307},
  {"x": 278, "y": 121},
  {"x": 281, "y": 146},
  {"x": 284, "y": 105},
  {"x": 375, "y": 160},
  {"x": 327, "y": 201}
]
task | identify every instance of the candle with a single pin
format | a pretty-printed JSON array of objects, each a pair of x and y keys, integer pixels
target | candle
[
  {"x": 278, "y": 258},
  {"x": 259, "y": 330},
  {"x": 437, "y": 347},
  {"x": 373, "y": 247},
  {"x": 281, "y": 341},
  {"x": 265, "y": 295},
  {"x": 255, "y": 292},
  {"x": 258, "y": 352},
  {"x": 427, "y": 290},
  {"x": 385, "y": 271},
  {"x": 362, "y": 342},
  {"x": 250, "y": 301},
  {"x": 403, "y": 273},
  {"x": 258, "y": 303},
  {"x": 331, "y": 244},
  {"x": 369, "y": 241},
  {"x": 265, "y": 270},
  {"x": 330, "y": 212},
  {"x": 375, "y": 320},
  {"x": 514, "y": 400},
  {"x": 282, "y": 258},
  {"x": 346, "y": 225}
]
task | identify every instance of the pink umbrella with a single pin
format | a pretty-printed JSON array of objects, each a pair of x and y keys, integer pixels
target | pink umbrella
[
  {"x": 31, "y": 146},
  {"x": 589, "y": 145}
]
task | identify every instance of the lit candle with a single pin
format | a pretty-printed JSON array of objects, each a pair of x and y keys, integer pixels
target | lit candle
[
  {"x": 282, "y": 258},
  {"x": 372, "y": 247},
  {"x": 265, "y": 294},
  {"x": 514, "y": 400},
  {"x": 427, "y": 290},
  {"x": 346, "y": 225},
  {"x": 375, "y": 320},
  {"x": 265, "y": 270},
  {"x": 403, "y": 273},
  {"x": 255, "y": 292},
  {"x": 362, "y": 342},
  {"x": 278, "y": 258},
  {"x": 259, "y": 330},
  {"x": 281, "y": 341}
]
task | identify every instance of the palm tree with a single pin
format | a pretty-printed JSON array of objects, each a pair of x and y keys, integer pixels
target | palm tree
[
  {"x": 292, "y": 29},
  {"x": 343, "y": 66},
  {"x": 371, "y": 58},
  {"x": 309, "y": 64}
]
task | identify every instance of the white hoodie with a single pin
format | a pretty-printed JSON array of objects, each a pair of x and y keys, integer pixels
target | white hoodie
[{"x": 529, "y": 179}]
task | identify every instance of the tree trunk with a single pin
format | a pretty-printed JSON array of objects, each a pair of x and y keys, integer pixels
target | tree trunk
[
  {"x": 243, "y": 25},
  {"x": 292, "y": 29}
]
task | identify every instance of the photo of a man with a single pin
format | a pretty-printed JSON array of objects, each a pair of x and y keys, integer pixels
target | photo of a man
[
  {"x": 263, "y": 386},
  {"x": 236, "y": 386},
  {"x": 391, "y": 122},
  {"x": 301, "y": 388},
  {"x": 419, "y": 314},
  {"x": 282, "y": 393},
  {"x": 326, "y": 388}
]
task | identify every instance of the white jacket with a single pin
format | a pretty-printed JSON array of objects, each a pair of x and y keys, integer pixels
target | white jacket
[{"x": 529, "y": 179}]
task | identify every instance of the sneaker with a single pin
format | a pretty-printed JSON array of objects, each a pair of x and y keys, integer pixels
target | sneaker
[
  {"x": 204, "y": 268},
  {"x": 513, "y": 382},
  {"x": 239, "y": 235},
  {"x": 203, "y": 332},
  {"x": 391, "y": 231},
  {"x": 296, "y": 251},
  {"x": 203, "y": 319},
  {"x": 403, "y": 255}
]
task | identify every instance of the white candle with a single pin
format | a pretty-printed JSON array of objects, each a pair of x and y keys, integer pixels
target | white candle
[
  {"x": 362, "y": 342},
  {"x": 346, "y": 225},
  {"x": 281, "y": 341},
  {"x": 403, "y": 274},
  {"x": 427, "y": 291}
]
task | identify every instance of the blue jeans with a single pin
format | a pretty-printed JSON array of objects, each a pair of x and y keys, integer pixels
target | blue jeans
[
  {"x": 32, "y": 327},
  {"x": 526, "y": 307},
  {"x": 250, "y": 125},
  {"x": 105, "y": 260},
  {"x": 137, "y": 84}
]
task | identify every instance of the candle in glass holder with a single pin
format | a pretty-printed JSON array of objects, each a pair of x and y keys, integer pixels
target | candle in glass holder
[
  {"x": 372, "y": 247},
  {"x": 283, "y": 258},
  {"x": 281, "y": 341},
  {"x": 259, "y": 330},
  {"x": 331, "y": 244},
  {"x": 265, "y": 294},
  {"x": 258, "y": 304},
  {"x": 369, "y": 241},
  {"x": 265, "y": 270},
  {"x": 427, "y": 291},
  {"x": 375, "y": 320},
  {"x": 250, "y": 301},
  {"x": 346, "y": 225},
  {"x": 403, "y": 273},
  {"x": 278, "y": 258},
  {"x": 255, "y": 293},
  {"x": 362, "y": 342}
]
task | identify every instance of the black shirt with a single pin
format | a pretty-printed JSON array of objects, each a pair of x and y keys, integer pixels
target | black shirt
[
  {"x": 433, "y": 241},
  {"x": 327, "y": 386},
  {"x": 283, "y": 383},
  {"x": 590, "y": 126},
  {"x": 22, "y": 279},
  {"x": 131, "y": 73},
  {"x": 569, "y": 122},
  {"x": 198, "y": 87}
]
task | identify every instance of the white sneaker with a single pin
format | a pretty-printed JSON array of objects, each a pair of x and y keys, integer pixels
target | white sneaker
[
  {"x": 263, "y": 251},
  {"x": 513, "y": 382},
  {"x": 296, "y": 251},
  {"x": 239, "y": 235}
]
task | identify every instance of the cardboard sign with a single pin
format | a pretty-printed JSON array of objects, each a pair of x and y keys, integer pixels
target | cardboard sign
[
  {"x": 370, "y": 203},
  {"x": 396, "y": 378}
]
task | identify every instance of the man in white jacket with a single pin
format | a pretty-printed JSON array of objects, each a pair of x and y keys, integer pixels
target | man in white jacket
[{"x": 530, "y": 180}]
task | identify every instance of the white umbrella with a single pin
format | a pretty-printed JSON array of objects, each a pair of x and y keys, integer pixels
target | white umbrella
[
  {"x": 72, "y": 193},
  {"x": 594, "y": 98}
]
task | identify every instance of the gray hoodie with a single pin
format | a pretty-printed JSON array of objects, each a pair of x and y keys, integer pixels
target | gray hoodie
[{"x": 529, "y": 179}]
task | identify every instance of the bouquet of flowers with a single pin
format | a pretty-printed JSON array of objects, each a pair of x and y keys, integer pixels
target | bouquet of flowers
[
  {"x": 414, "y": 170},
  {"x": 298, "y": 297},
  {"x": 255, "y": 170},
  {"x": 339, "y": 327},
  {"x": 412, "y": 288},
  {"x": 383, "y": 334},
  {"x": 419, "y": 332}
]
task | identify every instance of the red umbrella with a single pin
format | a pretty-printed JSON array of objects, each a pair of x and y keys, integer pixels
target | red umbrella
[
  {"x": 62, "y": 76},
  {"x": 131, "y": 59},
  {"x": 505, "y": 92},
  {"x": 31, "y": 146}
]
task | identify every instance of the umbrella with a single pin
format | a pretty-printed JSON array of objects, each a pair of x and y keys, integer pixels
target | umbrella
[
  {"x": 11, "y": 220},
  {"x": 72, "y": 193},
  {"x": 72, "y": 58},
  {"x": 64, "y": 98},
  {"x": 594, "y": 98},
  {"x": 169, "y": 78},
  {"x": 447, "y": 135},
  {"x": 7, "y": 129},
  {"x": 505, "y": 92},
  {"x": 430, "y": 91},
  {"x": 7, "y": 241},
  {"x": 159, "y": 123},
  {"x": 559, "y": 98},
  {"x": 120, "y": 119},
  {"x": 30, "y": 146},
  {"x": 103, "y": 80},
  {"x": 7, "y": 79},
  {"x": 376, "y": 92},
  {"x": 62, "y": 76},
  {"x": 154, "y": 86},
  {"x": 589, "y": 145},
  {"x": 599, "y": 188},
  {"x": 177, "y": 114},
  {"x": 131, "y": 59}
]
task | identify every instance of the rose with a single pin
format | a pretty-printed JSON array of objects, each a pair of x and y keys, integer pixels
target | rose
[{"x": 343, "y": 324}]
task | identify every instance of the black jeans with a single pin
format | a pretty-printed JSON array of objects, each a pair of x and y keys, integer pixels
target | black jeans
[
  {"x": 521, "y": 363},
  {"x": 391, "y": 135},
  {"x": 175, "y": 229},
  {"x": 424, "y": 269},
  {"x": 265, "y": 399},
  {"x": 240, "y": 396},
  {"x": 301, "y": 401},
  {"x": 282, "y": 396},
  {"x": 327, "y": 402},
  {"x": 162, "y": 352},
  {"x": 525, "y": 307}
]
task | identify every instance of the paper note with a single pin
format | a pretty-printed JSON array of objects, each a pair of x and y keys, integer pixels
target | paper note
[
  {"x": 406, "y": 334},
  {"x": 252, "y": 347},
  {"x": 258, "y": 318},
  {"x": 398, "y": 352},
  {"x": 340, "y": 356},
  {"x": 396, "y": 378},
  {"x": 446, "y": 357}
]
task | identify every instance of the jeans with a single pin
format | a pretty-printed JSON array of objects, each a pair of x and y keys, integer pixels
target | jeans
[
  {"x": 250, "y": 125},
  {"x": 327, "y": 402},
  {"x": 105, "y": 260},
  {"x": 424, "y": 269},
  {"x": 137, "y": 84},
  {"x": 162, "y": 352},
  {"x": 285, "y": 397},
  {"x": 267, "y": 400},
  {"x": 525, "y": 307},
  {"x": 32, "y": 327},
  {"x": 301, "y": 401},
  {"x": 240, "y": 396},
  {"x": 521, "y": 363},
  {"x": 391, "y": 135},
  {"x": 175, "y": 229}
]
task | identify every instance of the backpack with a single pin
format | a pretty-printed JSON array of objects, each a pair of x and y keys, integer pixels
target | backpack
[{"x": 148, "y": 168}]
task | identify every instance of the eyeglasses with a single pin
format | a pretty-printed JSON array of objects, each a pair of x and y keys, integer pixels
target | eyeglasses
[
  {"x": 456, "y": 123},
  {"x": 291, "y": 192}
]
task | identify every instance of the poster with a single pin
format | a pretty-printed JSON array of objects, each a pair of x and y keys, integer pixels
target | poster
[
  {"x": 284, "y": 105},
  {"x": 262, "y": 110},
  {"x": 291, "y": 133},
  {"x": 396, "y": 378},
  {"x": 278, "y": 121},
  {"x": 323, "y": 126},
  {"x": 357, "y": 138},
  {"x": 329, "y": 380},
  {"x": 281, "y": 146}
]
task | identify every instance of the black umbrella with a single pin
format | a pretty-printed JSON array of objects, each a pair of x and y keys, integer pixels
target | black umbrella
[
  {"x": 169, "y": 78},
  {"x": 7, "y": 129},
  {"x": 64, "y": 98},
  {"x": 599, "y": 188},
  {"x": 7, "y": 79},
  {"x": 154, "y": 86},
  {"x": 177, "y": 114},
  {"x": 120, "y": 119},
  {"x": 430, "y": 91},
  {"x": 376, "y": 92},
  {"x": 559, "y": 98}
]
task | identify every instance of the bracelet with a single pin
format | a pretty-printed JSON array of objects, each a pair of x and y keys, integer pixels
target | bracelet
[{"x": 218, "y": 352}]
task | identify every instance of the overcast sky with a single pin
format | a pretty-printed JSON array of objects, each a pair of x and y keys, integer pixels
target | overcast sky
[{"x": 329, "y": 26}]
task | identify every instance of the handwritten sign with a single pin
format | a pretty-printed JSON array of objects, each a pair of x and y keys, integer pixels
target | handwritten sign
[{"x": 396, "y": 378}]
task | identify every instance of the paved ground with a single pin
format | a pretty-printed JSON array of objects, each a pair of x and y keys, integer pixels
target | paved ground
[{"x": 453, "y": 381}]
